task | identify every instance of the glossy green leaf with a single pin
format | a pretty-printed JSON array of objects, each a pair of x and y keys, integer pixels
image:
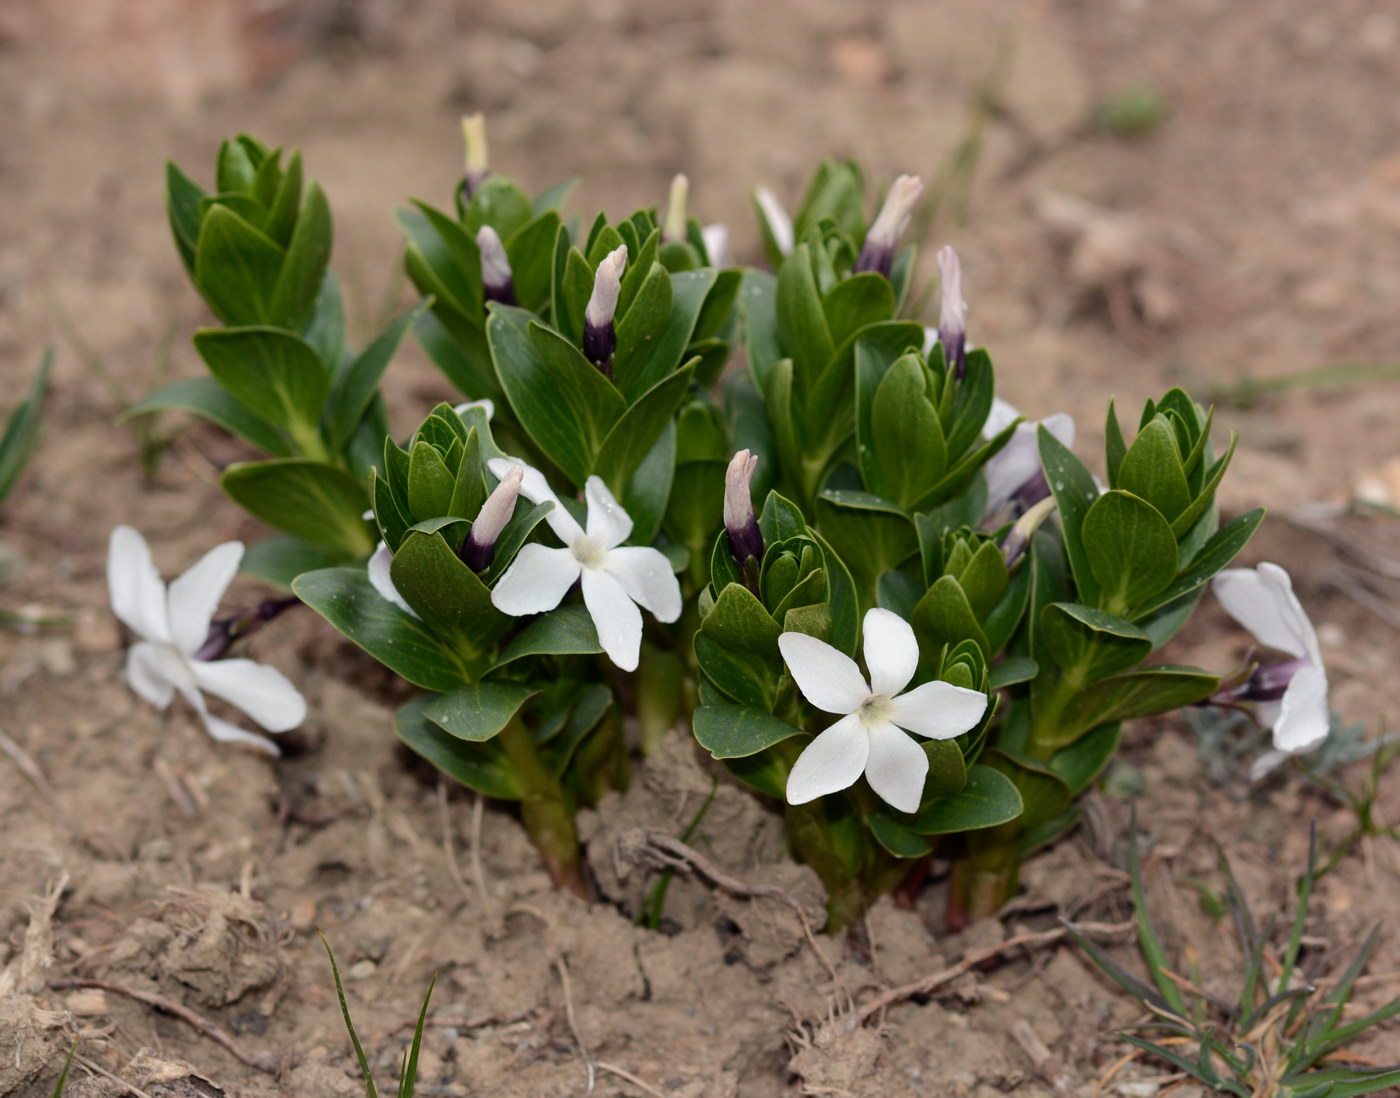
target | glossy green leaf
[
  {"x": 802, "y": 325},
  {"x": 206, "y": 398},
  {"x": 636, "y": 431},
  {"x": 1075, "y": 492},
  {"x": 479, "y": 711},
  {"x": 281, "y": 559},
  {"x": 567, "y": 631},
  {"x": 988, "y": 799},
  {"x": 483, "y": 767},
  {"x": 729, "y": 731},
  {"x": 273, "y": 373},
  {"x": 447, "y": 594},
  {"x": 1152, "y": 469},
  {"x": 737, "y": 647},
  {"x": 1216, "y": 555},
  {"x": 1130, "y": 549},
  {"x": 906, "y": 441},
  {"x": 1089, "y": 643},
  {"x": 1143, "y": 693},
  {"x": 318, "y": 503},
  {"x": 648, "y": 365},
  {"x": 236, "y": 268},
  {"x": 299, "y": 280},
  {"x": 356, "y": 386},
  {"x": 402, "y": 643}
]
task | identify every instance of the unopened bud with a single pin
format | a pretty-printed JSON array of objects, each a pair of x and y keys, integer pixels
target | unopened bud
[
  {"x": 224, "y": 632},
  {"x": 477, "y": 160},
  {"x": 776, "y": 218},
  {"x": 480, "y": 547},
  {"x": 745, "y": 537},
  {"x": 599, "y": 335},
  {"x": 877, "y": 254},
  {"x": 496, "y": 276},
  {"x": 716, "y": 239},
  {"x": 952, "y": 316},
  {"x": 673, "y": 228},
  {"x": 1018, "y": 538}
]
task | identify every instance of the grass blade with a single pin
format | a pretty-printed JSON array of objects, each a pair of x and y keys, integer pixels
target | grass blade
[
  {"x": 1152, "y": 951},
  {"x": 1290, "y": 958},
  {"x": 408, "y": 1075},
  {"x": 63, "y": 1075},
  {"x": 349, "y": 1025}
]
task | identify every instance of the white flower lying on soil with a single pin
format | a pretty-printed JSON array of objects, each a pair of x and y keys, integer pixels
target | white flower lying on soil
[
  {"x": 173, "y": 625},
  {"x": 1291, "y": 697},
  {"x": 616, "y": 578},
  {"x": 870, "y": 737}
]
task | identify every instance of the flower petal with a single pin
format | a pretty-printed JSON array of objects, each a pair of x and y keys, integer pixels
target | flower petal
[
  {"x": 536, "y": 489},
  {"x": 891, "y": 652},
  {"x": 828, "y": 679},
  {"x": 228, "y": 732},
  {"x": 1305, "y": 719},
  {"x": 615, "y": 616},
  {"x": 830, "y": 763},
  {"x": 1002, "y": 415},
  {"x": 896, "y": 768},
  {"x": 646, "y": 576},
  {"x": 1266, "y": 764},
  {"x": 263, "y": 692},
  {"x": 194, "y": 596},
  {"x": 135, "y": 587},
  {"x": 608, "y": 523},
  {"x": 380, "y": 579},
  {"x": 1262, "y": 600},
  {"x": 537, "y": 580},
  {"x": 149, "y": 672},
  {"x": 938, "y": 710},
  {"x": 485, "y": 404},
  {"x": 1011, "y": 466}
]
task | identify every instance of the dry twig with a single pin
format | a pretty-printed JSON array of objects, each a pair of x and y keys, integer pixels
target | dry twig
[
  {"x": 573, "y": 1022},
  {"x": 262, "y": 1061},
  {"x": 1045, "y": 1062},
  {"x": 623, "y": 1073}
]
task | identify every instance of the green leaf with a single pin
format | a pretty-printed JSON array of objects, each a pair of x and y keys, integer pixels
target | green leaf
[
  {"x": 483, "y": 767},
  {"x": 871, "y": 534},
  {"x": 281, "y": 559},
  {"x": 1088, "y": 643},
  {"x": 1216, "y": 555},
  {"x": 636, "y": 432},
  {"x": 299, "y": 280},
  {"x": 1143, "y": 693},
  {"x": 567, "y": 631},
  {"x": 802, "y": 324},
  {"x": 22, "y": 429},
  {"x": 644, "y": 367},
  {"x": 899, "y": 840},
  {"x": 447, "y": 594},
  {"x": 1130, "y": 548},
  {"x": 356, "y": 386},
  {"x": 987, "y": 800},
  {"x": 862, "y": 299},
  {"x": 430, "y": 482},
  {"x": 1084, "y": 760},
  {"x": 737, "y": 647},
  {"x": 944, "y": 616},
  {"x": 182, "y": 199},
  {"x": 310, "y": 500},
  {"x": 648, "y": 489},
  {"x": 758, "y": 314},
  {"x": 1075, "y": 492},
  {"x": 841, "y": 597},
  {"x": 1152, "y": 469},
  {"x": 402, "y": 643},
  {"x": 1009, "y": 672},
  {"x": 236, "y": 268},
  {"x": 560, "y": 398},
  {"x": 947, "y": 771},
  {"x": 1206, "y": 496},
  {"x": 479, "y": 711},
  {"x": 738, "y": 731},
  {"x": 273, "y": 373},
  {"x": 906, "y": 437}
]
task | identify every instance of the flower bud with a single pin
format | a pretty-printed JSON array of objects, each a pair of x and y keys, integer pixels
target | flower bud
[
  {"x": 477, "y": 161},
  {"x": 952, "y": 315},
  {"x": 877, "y": 254},
  {"x": 673, "y": 228},
  {"x": 716, "y": 239},
  {"x": 223, "y": 632},
  {"x": 480, "y": 547},
  {"x": 745, "y": 537},
  {"x": 1018, "y": 538},
  {"x": 496, "y": 275},
  {"x": 599, "y": 336},
  {"x": 776, "y": 218}
]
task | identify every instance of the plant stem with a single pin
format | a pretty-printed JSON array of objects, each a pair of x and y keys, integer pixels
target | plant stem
[{"x": 546, "y": 812}]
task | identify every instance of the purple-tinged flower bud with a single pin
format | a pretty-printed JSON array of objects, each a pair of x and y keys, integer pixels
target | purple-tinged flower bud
[
  {"x": 223, "y": 632},
  {"x": 674, "y": 227},
  {"x": 497, "y": 283},
  {"x": 952, "y": 315},
  {"x": 480, "y": 547},
  {"x": 477, "y": 160},
  {"x": 599, "y": 335},
  {"x": 745, "y": 537},
  {"x": 1018, "y": 538},
  {"x": 777, "y": 219},
  {"x": 877, "y": 254}
]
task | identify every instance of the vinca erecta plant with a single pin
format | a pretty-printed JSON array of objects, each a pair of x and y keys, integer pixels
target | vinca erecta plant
[
  {"x": 281, "y": 374},
  {"x": 912, "y": 524}
]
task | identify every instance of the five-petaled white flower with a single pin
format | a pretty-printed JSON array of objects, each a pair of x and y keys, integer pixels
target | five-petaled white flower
[
  {"x": 870, "y": 737},
  {"x": 1290, "y": 698},
  {"x": 616, "y": 578},
  {"x": 173, "y": 625}
]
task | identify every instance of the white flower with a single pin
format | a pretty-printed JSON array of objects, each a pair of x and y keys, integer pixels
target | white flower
[
  {"x": 1017, "y": 464},
  {"x": 379, "y": 578},
  {"x": 173, "y": 625},
  {"x": 485, "y": 404},
  {"x": 616, "y": 578},
  {"x": 1290, "y": 698},
  {"x": 716, "y": 238},
  {"x": 870, "y": 737}
]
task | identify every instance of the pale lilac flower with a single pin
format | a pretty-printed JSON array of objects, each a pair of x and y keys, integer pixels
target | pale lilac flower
[
  {"x": 616, "y": 578},
  {"x": 1288, "y": 697},
  {"x": 599, "y": 335},
  {"x": 952, "y": 316},
  {"x": 1013, "y": 473},
  {"x": 877, "y": 253},
  {"x": 497, "y": 279},
  {"x": 173, "y": 625},
  {"x": 871, "y": 736}
]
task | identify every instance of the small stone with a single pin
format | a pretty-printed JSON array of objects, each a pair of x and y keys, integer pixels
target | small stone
[
  {"x": 159, "y": 849},
  {"x": 303, "y": 915},
  {"x": 362, "y": 970},
  {"x": 87, "y": 1002}
]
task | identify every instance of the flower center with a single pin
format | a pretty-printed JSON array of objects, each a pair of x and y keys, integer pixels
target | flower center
[
  {"x": 875, "y": 710},
  {"x": 588, "y": 552}
]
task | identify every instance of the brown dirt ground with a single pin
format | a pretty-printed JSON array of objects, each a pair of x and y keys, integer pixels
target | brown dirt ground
[{"x": 1257, "y": 231}]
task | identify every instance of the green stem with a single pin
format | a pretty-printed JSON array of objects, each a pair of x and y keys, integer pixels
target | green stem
[
  {"x": 544, "y": 808},
  {"x": 983, "y": 881},
  {"x": 309, "y": 444}
]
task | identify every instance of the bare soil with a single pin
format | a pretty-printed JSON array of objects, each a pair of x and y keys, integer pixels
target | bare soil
[{"x": 1256, "y": 231}]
